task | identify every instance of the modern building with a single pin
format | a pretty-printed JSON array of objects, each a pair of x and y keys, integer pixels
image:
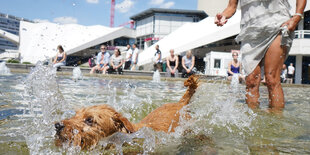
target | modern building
[
  {"x": 9, "y": 24},
  {"x": 155, "y": 23}
]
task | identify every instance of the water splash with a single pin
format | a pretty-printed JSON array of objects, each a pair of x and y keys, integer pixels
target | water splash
[
  {"x": 144, "y": 139},
  {"x": 221, "y": 110},
  {"x": 216, "y": 111},
  {"x": 156, "y": 76},
  {"x": 4, "y": 70},
  {"x": 234, "y": 80},
  {"x": 234, "y": 84},
  {"x": 77, "y": 74},
  {"x": 45, "y": 104}
]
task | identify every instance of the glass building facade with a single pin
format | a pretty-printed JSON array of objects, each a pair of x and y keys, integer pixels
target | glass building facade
[
  {"x": 155, "y": 23},
  {"x": 10, "y": 24}
]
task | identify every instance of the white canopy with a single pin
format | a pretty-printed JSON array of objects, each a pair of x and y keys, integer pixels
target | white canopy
[
  {"x": 39, "y": 41},
  {"x": 191, "y": 36}
]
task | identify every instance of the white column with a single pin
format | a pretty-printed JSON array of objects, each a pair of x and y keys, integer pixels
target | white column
[
  {"x": 146, "y": 45},
  {"x": 298, "y": 69}
]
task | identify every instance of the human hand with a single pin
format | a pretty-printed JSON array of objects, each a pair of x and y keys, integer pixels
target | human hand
[
  {"x": 188, "y": 70},
  {"x": 220, "y": 20},
  {"x": 292, "y": 23}
]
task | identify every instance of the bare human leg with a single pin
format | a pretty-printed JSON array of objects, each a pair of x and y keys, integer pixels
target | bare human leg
[
  {"x": 93, "y": 69},
  {"x": 274, "y": 60},
  {"x": 252, "y": 82}
]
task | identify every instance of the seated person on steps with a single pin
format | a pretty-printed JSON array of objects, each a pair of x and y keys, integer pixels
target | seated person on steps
[
  {"x": 102, "y": 60},
  {"x": 172, "y": 64},
  {"x": 188, "y": 63},
  {"x": 116, "y": 62},
  {"x": 235, "y": 68},
  {"x": 60, "y": 58}
]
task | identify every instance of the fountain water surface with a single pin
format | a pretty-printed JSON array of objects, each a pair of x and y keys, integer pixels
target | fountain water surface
[{"x": 220, "y": 121}]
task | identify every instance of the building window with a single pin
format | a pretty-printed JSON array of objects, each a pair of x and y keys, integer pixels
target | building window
[{"x": 217, "y": 63}]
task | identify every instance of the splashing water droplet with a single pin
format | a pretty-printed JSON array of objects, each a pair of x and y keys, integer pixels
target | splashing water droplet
[{"x": 4, "y": 70}]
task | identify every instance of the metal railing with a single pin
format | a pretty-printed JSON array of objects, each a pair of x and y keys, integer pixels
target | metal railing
[{"x": 301, "y": 34}]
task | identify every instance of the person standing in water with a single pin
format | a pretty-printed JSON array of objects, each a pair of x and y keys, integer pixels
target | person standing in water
[{"x": 267, "y": 32}]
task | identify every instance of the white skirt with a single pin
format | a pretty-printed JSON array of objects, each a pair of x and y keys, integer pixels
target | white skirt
[{"x": 261, "y": 22}]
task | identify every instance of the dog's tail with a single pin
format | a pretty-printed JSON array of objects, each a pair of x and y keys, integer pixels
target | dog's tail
[{"x": 192, "y": 84}]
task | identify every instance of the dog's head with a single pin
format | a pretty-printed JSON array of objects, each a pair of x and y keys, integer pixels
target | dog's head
[
  {"x": 89, "y": 125},
  {"x": 192, "y": 82}
]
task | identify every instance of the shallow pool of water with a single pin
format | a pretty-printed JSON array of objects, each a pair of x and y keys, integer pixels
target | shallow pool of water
[{"x": 221, "y": 121}]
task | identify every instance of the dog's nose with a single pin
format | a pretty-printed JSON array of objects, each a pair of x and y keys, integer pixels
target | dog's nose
[{"x": 59, "y": 126}]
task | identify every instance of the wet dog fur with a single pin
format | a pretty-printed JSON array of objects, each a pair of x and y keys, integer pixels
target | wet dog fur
[{"x": 91, "y": 124}]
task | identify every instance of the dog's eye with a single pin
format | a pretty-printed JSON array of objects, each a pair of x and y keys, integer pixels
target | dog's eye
[{"x": 89, "y": 121}]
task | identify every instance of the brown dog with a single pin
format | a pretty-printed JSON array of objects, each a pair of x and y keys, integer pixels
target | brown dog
[{"x": 91, "y": 124}]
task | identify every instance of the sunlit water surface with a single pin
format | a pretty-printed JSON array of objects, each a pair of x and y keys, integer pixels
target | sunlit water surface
[{"x": 221, "y": 121}]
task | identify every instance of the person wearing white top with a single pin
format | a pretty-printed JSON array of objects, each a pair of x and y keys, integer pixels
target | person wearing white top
[
  {"x": 128, "y": 57},
  {"x": 188, "y": 63},
  {"x": 135, "y": 55},
  {"x": 283, "y": 74},
  {"x": 116, "y": 62},
  {"x": 290, "y": 73}
]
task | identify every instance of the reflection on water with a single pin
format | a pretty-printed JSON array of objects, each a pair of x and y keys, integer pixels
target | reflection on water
[{"x": 221, "y": 122}]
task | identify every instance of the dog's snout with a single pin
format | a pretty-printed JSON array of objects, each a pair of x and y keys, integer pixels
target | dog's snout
[{"x": 59, "y": 126}]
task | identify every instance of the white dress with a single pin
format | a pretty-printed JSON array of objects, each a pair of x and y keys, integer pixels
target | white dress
[{"x": 261, "y": 22}]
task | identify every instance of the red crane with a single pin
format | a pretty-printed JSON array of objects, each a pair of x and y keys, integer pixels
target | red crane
[
  {"x": 131, "y": 22},
  {"x": 112, "y": 13}
]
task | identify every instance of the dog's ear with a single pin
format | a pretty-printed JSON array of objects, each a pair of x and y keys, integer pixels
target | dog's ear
[{"x": 122, "y": 124}]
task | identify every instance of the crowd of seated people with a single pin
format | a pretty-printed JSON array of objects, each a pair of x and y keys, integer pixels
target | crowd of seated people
[
  {"x": 105, "y": 63},
  {"x": 116, "y": 63}
]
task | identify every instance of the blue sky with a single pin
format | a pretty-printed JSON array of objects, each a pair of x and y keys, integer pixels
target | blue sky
[{"x": 86, "y": 12}]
